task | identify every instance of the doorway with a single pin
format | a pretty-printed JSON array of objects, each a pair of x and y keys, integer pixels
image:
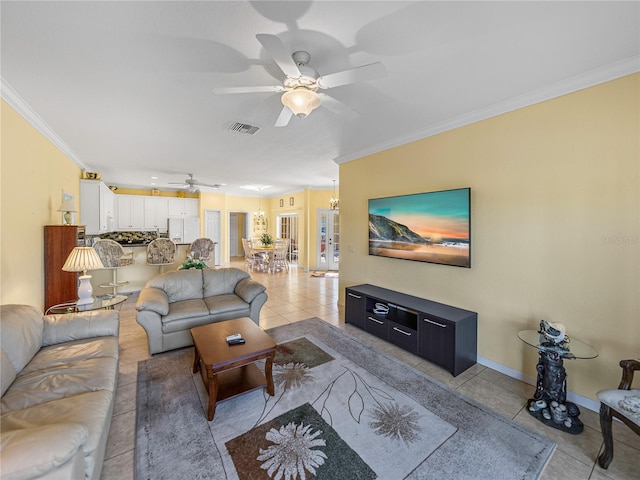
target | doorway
[
  {"x": 238, "y": 229},
  {"x": 328, "y": 256},
  {"x": 287, "y": 227}
]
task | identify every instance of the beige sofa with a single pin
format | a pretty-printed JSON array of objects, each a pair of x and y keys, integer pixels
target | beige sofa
[
  {"x": 58, "y": 376},
  {"x": 172, "y": 303}
]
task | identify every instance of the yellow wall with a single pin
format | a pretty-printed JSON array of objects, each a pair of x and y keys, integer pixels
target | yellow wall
[
  {"x": 34, "y": 173},
  {"x": 555, "y": 211}
]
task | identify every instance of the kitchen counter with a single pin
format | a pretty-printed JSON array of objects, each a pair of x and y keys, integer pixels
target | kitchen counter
[{"x": 137, "y": 274}]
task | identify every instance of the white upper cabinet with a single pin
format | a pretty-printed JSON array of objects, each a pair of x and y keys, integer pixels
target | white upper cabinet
[
  {"x": 183, "y": 207},
  {"x": 130, "y": 212},
  {"x": 156, "y": 212},
  {"x": 97, "y": 207}
]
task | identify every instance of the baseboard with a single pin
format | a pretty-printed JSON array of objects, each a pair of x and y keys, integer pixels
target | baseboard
[{"x": 510, "y": 372}]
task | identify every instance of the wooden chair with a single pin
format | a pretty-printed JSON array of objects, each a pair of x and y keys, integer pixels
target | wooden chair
[
  {"x": 251, "y": 258},
  {"x": 278, "y": 260},
  {"x": 622, "y": 403},
  {"x": 113, "y": 257}
]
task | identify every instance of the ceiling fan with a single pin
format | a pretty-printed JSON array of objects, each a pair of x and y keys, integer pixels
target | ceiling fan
[
  {"x": 192, "y": 184},
  {"x": 301, "y": 82}
]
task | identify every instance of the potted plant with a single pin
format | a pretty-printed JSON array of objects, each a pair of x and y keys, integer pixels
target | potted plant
[{"x": 266, "y": 239}]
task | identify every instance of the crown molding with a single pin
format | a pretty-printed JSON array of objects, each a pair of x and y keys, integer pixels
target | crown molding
[
  {"x": 21, "y": 106},
  {"x": 594, "y": 77}
]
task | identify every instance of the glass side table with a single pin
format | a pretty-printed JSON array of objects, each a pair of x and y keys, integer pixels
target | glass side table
[
  {"x": 549, "y": 403},
  {"x": 106, "y": 302}
]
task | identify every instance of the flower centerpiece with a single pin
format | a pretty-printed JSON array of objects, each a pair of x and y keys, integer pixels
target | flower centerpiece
[
  {"x": 191, "y": 262},
  {"x": 266, "y": 239}
]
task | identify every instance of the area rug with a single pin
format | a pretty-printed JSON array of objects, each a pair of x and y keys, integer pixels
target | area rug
[{"x": 341, "y": 410}]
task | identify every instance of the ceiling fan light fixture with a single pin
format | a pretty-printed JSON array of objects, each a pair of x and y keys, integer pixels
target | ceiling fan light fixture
[{"x": 301, "y": 101}]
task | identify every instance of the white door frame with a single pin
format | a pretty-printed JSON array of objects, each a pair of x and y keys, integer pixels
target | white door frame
[
  {"x": 329, "y": 262},
  {"x": 212, "y": 225}
]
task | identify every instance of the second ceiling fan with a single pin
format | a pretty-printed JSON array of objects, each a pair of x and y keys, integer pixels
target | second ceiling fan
[{"x": 301, "y": 82}]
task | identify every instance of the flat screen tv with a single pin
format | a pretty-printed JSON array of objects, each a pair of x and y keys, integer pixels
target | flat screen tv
[{"x": 432, "y": 227}]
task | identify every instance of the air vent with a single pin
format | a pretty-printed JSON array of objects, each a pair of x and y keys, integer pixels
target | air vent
[{"x": 243, "y": 128}]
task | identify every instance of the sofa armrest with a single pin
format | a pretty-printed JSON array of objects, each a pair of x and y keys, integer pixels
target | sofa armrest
[
  {"x": 33, "y": 452},
  {"x": 153, "y": 299},
  {"x": 76, "y": 326},
  {"x": 248, "y": 289}
]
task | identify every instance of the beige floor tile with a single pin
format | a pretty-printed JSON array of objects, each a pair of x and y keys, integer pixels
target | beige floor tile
[
  {"x": 125, "y": 399},
  {"x": 121, "y": 435},
  {"x": 120, "y": 467},
  {"x": 563, "y": 467},
  {"x": 493, "y": 396}
]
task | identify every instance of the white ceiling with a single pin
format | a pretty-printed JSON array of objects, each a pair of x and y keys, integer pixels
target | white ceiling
[{"x": 127, "y": 86}]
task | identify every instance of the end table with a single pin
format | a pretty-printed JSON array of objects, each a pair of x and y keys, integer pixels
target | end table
[{"x": 549, "y": 403}]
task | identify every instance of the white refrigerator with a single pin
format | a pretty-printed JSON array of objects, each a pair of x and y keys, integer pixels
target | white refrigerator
[{"x": 184, "y": 229}]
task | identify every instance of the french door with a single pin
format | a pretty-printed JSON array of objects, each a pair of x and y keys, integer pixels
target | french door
[
  {"x": 288, "y": 228},
  {"x": 328, "y": 256}
]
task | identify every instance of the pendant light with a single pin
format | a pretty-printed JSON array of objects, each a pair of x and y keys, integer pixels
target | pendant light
[{"x": 334, "y": 203}]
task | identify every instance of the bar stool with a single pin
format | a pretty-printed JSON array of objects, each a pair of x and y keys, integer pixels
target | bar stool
[
  {"x": 162, "y": 252},
  {"x": 113, "y": 257},
  {"x": 203, "y": 249}
]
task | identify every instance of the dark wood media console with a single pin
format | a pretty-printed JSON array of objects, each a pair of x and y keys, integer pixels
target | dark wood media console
[{"x": 442, "y": 334}]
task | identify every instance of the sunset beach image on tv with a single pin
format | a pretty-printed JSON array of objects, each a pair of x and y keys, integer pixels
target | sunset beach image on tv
[{"x": 430, "y": 227}]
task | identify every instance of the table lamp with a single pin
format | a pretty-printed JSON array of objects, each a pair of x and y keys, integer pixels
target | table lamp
[
  {"x": 82, "y": 259},
  {"x": 68, "y": 205}
]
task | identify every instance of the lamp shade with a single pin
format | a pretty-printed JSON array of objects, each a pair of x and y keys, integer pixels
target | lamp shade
[
  {"x": 68, "y": 205},
  {"x": 82, "y": 259},
  {"x": 301, "y": 101}
]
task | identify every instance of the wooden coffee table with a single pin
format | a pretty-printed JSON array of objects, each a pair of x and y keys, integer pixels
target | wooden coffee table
[{"x": 230, "y": 370}]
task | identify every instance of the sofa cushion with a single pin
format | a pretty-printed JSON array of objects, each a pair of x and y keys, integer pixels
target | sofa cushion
[
  {"x": 185, "y": 309},
  {"x": 92, "y": 409},
  {"x": 221, "y": 304},
  {"x": 7, "y": 372},
  {"x": 65, "y": 328},
  {"x": 179, "y": 284},
  {"x": 221, "y": 281},
  {"x": 248, "y": 289},
  {"x": 60, "y": 381},
  {"x": 62, "y": 354},
  {"x": 21, "y": 338},
  {"x": 626, "y": 402},
  {"x": 32, "y": 452}
]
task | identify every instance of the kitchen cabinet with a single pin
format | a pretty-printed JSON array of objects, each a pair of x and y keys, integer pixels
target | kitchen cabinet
[
  {"x": 130, "y": 212},
  {"x": 184, "y": 207},
  {"x": 59, "y": 240},
  {"x": 442, "y": 334},
  {"x": 97, "y": 207},
  {"x": 156, "y": 213}
]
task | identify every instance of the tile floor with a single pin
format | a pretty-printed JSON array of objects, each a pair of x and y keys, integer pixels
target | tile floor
[{"x": 295, "y": 296}]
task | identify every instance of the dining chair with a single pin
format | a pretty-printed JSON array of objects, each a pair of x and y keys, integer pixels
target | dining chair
[
  {"x": 162, "y": 252},
  {"x": 622, "y": 403},
  {"x": 113, "y": 257},
  {"x": 278, "y": 259},
  {"x": 251, "y": 258}
]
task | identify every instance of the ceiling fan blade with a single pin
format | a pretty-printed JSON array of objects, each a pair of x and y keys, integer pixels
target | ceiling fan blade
[
  {"x": 274, "y": 46},
  {"x": 372, "y": 71},
  {"x": 217, "y": 185},
  {"x": 337, "y": 107},
  {"x": 228, "y": 90},
  {"x": 284, "y": 117}
]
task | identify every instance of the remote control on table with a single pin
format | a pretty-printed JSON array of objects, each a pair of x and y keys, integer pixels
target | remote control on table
[
  {"x": 236, "y": 341},
  {"x": 235, "y": 336}
]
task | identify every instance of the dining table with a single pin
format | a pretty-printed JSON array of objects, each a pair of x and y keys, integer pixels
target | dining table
[{"x": 265, "y": 251}]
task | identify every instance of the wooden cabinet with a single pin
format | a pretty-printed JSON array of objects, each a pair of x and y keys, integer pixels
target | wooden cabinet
[
  {"x": 156, "y": 213},
  {"x": 183, "y": 207},
  {"x": 97, "y": 207},
  {"x": 442, "y": 334},
  {"x": 130, "y": 212},
  {"x": 59, "y": 240}
]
